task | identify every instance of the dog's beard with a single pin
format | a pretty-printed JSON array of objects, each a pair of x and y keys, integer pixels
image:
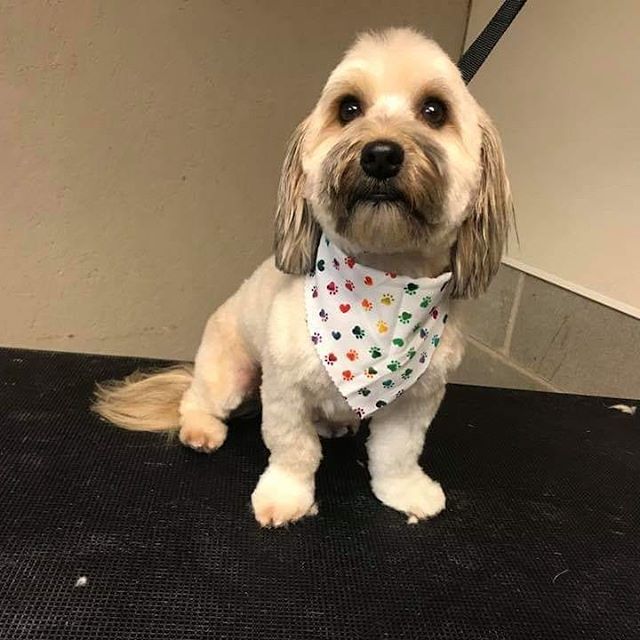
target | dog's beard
[{"x": 396, "y": 214}]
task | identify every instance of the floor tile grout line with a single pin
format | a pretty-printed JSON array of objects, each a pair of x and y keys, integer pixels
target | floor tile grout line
[
  {"x": 514, "y": 365},
  {"x": 515, "y": 306}
]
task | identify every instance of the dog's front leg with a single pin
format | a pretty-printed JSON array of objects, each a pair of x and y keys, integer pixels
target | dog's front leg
[
  {"x": 394, "y": 446},
  {"x": 285, "y": 491}
]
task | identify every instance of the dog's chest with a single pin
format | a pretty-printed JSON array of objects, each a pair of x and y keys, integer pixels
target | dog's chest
[
  {"x": 325, "y": 398},
  {"x": 298, "y": 365},
  {"x": 292, "y": 351}
]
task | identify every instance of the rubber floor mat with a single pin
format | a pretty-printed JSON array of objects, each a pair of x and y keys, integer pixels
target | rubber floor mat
[{"x": 107, "y": 534}]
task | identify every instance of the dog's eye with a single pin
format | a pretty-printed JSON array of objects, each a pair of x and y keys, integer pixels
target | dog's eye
[
  {"x": 434, "y": 111},
  {"x": 349, "y": 109}
]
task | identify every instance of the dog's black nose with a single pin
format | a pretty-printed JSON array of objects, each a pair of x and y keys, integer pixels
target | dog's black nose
[{"x": 381, "y": 158}]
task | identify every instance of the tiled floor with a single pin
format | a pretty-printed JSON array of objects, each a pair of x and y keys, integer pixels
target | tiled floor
[
  {"x": 527, "y": 333},
  {"x": 486, "y": 367}
]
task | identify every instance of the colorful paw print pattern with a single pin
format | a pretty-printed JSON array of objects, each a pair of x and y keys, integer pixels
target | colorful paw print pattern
[
  {"x": 374, "y": 332},
  {"x": 331, "y": 359},
  {"x": 382, "y": 326},
  {"x": 358, "y": 332}
]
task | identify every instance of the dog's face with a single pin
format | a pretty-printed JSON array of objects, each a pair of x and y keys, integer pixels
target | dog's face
[{"x": 396, "y": 157}]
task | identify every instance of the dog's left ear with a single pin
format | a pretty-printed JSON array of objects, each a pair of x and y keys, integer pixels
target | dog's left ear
[
  {"x": 296, "y": 232},
  {"x": 477, "y": 252}
]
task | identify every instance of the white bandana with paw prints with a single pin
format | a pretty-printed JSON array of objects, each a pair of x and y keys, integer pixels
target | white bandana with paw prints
[{"x": 374, "y": 332}]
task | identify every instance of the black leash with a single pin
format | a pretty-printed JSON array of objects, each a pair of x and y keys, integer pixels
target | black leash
[{"x": 473, "y": 58}]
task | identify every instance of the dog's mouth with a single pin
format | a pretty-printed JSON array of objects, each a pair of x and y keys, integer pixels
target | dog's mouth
[{"x": 379, "y": 194}]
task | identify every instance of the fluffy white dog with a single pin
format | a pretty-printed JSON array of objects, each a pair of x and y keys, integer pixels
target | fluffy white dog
[{"x": 399, "y": 175}]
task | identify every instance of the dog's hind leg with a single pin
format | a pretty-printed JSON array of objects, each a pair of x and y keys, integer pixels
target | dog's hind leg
[{"x": 224, "y": 376}]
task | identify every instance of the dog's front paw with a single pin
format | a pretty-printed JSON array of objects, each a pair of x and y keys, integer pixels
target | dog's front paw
[
  {"x": 282, "y": 497},
  {"x": 202, "y": 432},
  {"x": 416, "y": 494}
]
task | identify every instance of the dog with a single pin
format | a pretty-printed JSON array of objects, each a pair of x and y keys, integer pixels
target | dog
[{"x": 399, "y": 172}]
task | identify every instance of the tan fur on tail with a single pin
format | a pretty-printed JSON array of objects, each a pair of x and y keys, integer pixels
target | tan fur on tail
[{"x": 144, "y": 401}]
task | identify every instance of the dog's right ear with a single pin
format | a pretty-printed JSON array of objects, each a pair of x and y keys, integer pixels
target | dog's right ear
[{"x": 296, "y": 232}]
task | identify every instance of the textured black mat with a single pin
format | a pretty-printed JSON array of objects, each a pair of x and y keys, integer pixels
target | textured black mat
[{"x": 540, "y": 540}]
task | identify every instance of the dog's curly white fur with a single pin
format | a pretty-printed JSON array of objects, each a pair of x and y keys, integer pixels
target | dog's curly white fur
[{"x": 447, "y": 208}]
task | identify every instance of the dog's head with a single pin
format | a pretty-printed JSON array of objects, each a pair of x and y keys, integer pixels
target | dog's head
[{"x": 396, "y": 157}]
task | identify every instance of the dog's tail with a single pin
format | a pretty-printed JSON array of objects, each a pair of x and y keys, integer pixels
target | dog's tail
[{"x": 144, "y": 401}]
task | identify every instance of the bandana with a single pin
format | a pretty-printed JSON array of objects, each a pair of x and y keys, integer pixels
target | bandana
[{"x": 374, "y": 332}]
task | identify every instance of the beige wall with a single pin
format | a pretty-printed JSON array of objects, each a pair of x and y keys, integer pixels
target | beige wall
[
  {"x": 141, "y": 144},
  {"x": 564, "y": 89}
]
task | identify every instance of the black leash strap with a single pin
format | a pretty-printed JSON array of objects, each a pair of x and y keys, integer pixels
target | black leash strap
[{"x": 473, "y": 58}]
